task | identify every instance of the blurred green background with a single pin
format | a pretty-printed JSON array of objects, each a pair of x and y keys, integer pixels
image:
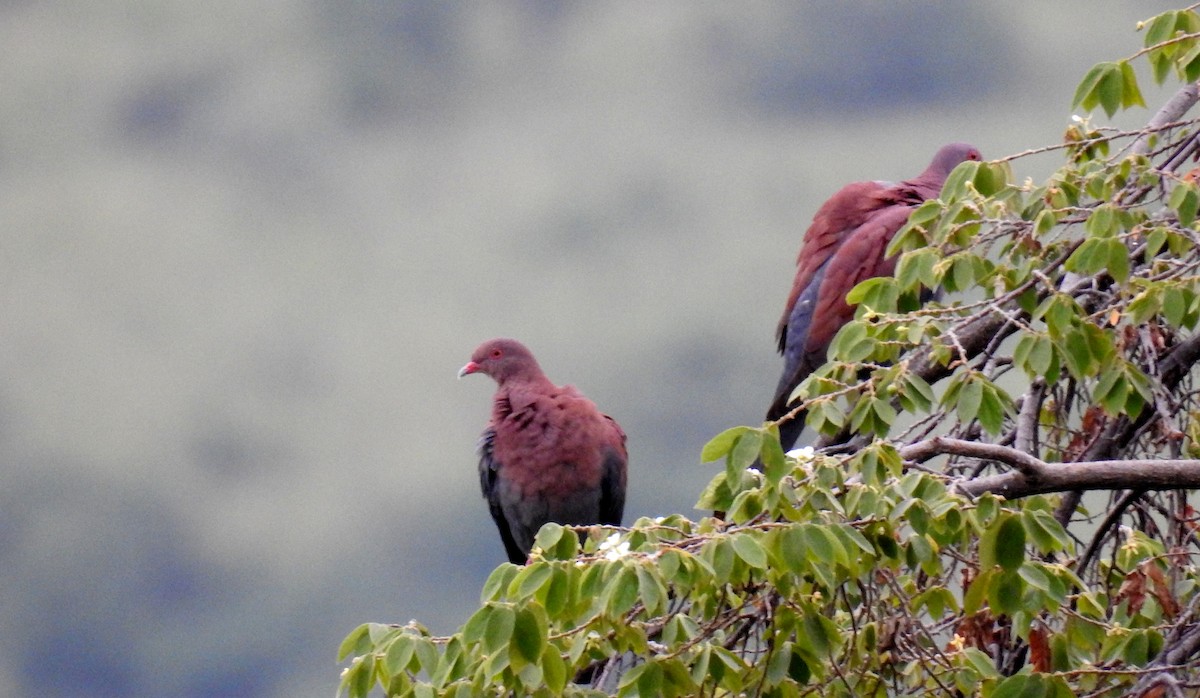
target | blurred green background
[{"x": 246, "y": 246}]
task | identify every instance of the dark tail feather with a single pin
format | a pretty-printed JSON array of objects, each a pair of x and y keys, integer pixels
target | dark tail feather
[{"x": 790, "y": 430}]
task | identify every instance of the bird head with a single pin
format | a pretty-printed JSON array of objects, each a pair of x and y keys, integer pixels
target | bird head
[
  {"x": 504, "y": 360},
  {"x": 950, "y": 156}
]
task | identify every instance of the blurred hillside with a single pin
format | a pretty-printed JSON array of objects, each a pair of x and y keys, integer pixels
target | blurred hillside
[{"x": 247, "y": 246}]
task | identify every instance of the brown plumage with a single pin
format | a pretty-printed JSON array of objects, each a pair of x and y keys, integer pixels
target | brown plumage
[
  {"x": 844, "y": 245},
  {"x": 547, "y": 453}
]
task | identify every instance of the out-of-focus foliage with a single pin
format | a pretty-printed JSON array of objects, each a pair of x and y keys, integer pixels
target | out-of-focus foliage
[{"x": 887, "y": 562}]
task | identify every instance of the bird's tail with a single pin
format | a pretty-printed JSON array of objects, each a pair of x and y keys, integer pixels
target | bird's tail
[{"x": 790, "y": 430}]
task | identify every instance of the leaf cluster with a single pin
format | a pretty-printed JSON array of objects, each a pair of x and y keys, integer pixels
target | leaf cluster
[{"x": 1061, "y": 330}]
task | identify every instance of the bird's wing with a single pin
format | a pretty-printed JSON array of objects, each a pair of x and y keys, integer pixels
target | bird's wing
[
  {"x": 489, "y": 470},
  {"x": 861, "y": 257},
  {"x": 613, "y": 477},
  {"x": 821, "y": 310},
  {"x": 798, "y": 362},
  {"x": 837, "y": 219}
]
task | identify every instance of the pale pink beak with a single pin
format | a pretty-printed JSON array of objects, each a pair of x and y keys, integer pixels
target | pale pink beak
[{"x": 467, "y": 370}]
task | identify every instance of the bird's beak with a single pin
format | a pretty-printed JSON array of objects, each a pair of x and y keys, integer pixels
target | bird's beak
[{"x": 467, "y": 370}]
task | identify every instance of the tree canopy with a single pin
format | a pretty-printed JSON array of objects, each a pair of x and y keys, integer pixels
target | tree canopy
[{"x": 996, "y": 504}]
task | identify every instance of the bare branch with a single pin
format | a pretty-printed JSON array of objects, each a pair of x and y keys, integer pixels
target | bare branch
[
  {"x": 1036, "y": 476},
  {"x": 941, "y": 445},
  {"x": 1027, "y": 419},
  {"x": 1175, "y": 108}
]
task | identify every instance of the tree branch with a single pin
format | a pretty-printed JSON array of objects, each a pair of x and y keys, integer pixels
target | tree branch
[
  {"x": 1035, "y": 476},
  {"x": 1027, "y": 419},
  {"x": 1173, "y": 110}
]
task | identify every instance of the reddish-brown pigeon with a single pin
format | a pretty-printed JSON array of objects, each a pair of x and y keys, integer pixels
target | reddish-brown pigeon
[
  {"x": 547, "y": 453},
  {"x": 844, "y": 245}
]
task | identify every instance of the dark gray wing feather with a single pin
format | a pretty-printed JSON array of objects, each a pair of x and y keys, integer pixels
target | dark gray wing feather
[{"x": 489, "y": 474}]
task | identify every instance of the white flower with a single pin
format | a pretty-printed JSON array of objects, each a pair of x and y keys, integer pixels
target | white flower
[
  {"x": 618, "y": 552},
  {"x": 659, "y": 519},
  {"x": 755, "y": 471},
  {"x": 613, "y": 547},
  {"x": 802, "y": 454}
]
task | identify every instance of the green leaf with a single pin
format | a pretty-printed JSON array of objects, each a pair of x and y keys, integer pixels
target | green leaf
[
  {"x": 821, "y": 632},
  {"x": 846, "y": 342},
  {"x": 991, "y": 177},
  {"x": 558, "y": 591},
  {"x": 399, "y": 654},
  {"x": 1047, "y": 533},
  {"x": 360, "y": 677},
  {"x": 774, "y": 460},
  {"x": 426, "y": 652},
  {"x": 1190, "y": 62},
  {"x": 977, "y": 592},
  {"x": 969, "y": 398},
  {"x": 916, "y": 268},
  {"x": 1118, "y": 259},
  {"x": 528, "y": 640},
  {"x": 499, "y": 627},
  {"x": 548, "y": 536},
  {"x": 1045, "y": 222},
  {"x": 1131, "y": 94},
  {"x": 1160, "y": 28},
  {"x": 651, "y": 591},
  {"x": 1035, "y": 354},
  {"x": 851, "y": 537},
  {"x": 955, "y": 188},
  {"x": 356, "y": 643},
  {"x": 1035, "y": 577},
  {"x": 823, "y": 544},
  {"x": 1185, "y": 200},
  {"x": 749, "y": 549},
  {"x": 1078, "y": 356},
  {"x": 1005, "y": 592},
  {"x": 497, "y": 581},
  {"x": 622, "y": 592},
  {"x": 475, "y": 626},
  {"x": 1111, "y": 392},
  {"x": 529, "y": 580},
  {"x": 879, "y": 293},
  {"x": 917, "y": 393},
  {"x": 719, "y": 554},
  {"x": 676, "y": 679},
  {"x": 1174, "y": 306},
  {"x": 554, "y": 670},
  {"x": 981, "y": 663},
  {"x": 650, "y": 681},
  {"x": 1110, "y": 90},
  {"x": 1010, "y": 543},
  {"x": 1020, "y": 686},
  {"x": 1089, "y": 258},
  {"x": 745, "y": 450},
  {"x": 746, "y": 505},
  {"x": 793, "y": 548},
  {"x": 1086, "y": 94},
  {"x": 991, "y": 409},
  {"x": 720, "y": 445}
]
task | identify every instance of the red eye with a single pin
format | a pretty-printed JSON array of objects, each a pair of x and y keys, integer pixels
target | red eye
[{"x": 496, "y": 353}]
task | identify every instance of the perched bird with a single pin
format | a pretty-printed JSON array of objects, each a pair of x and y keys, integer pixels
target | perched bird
[
  {"x": 844, "y": 245},
  {"x": 547, "y": 453}
]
